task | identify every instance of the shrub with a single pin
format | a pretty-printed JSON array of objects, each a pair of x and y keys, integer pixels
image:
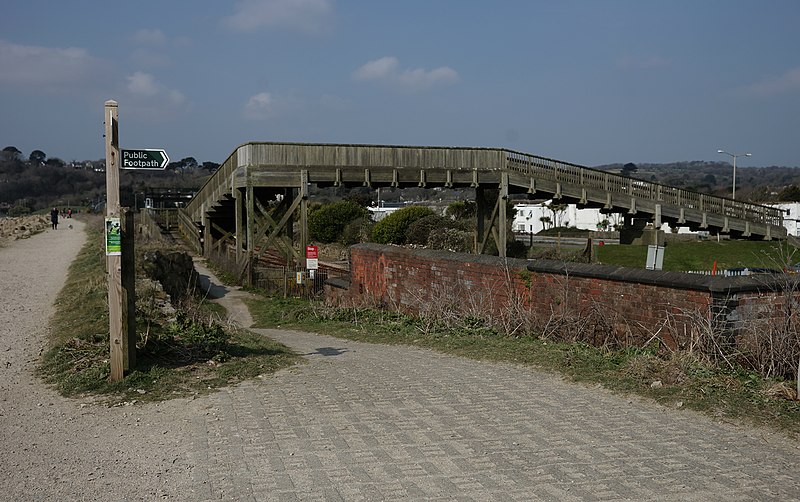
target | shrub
[
  {"x": 327, "y": 223},
  {"x": 419, "y": 231},
  {"x": 451, "y": 239},
  {"x": 356, "y": 231},
  {"x": 392, "y": 229},
  {"x": 461, "y": 210}
]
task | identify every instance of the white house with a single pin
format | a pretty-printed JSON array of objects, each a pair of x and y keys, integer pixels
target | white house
[
  {"x": 532, "y": 218},
  {"x": 791, "y": 216}
]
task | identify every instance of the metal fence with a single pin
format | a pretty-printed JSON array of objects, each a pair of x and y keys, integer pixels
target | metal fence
[{"x": 272, "y": 274}]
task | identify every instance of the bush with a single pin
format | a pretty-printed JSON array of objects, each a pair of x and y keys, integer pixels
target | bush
[
  {"x": 19, "y": 210},
  {"x": 451, "y": 239},
  {"x": 356, "y": 231},
  {"x": 419, "y": 231},
  {"x": 327, "y": 223},
  {"x": 392, "y": 229},
  {"x": 462, "y": 210}
]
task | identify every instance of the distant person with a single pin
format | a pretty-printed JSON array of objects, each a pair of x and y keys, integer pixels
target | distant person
[
  {"x": 69, "y": 212},
  {"x": 54, "y": 218}
]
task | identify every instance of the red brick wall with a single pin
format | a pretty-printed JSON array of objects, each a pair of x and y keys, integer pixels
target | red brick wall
[{"x": 633, "y": 304}]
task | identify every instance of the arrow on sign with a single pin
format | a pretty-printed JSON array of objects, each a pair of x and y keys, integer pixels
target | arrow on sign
[{"x": 147, "y": 158}]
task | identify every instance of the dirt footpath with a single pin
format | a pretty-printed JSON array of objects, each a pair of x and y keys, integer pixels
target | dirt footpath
[
  {"x": 59, "y": 449},
  {"x": 357, "y": 422}
]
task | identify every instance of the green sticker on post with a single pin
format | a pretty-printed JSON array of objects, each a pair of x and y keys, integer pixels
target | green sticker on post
[{"x": 113, "y": 237}]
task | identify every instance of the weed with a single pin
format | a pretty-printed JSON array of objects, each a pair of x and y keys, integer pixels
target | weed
[{"x": 183, "y": 349}]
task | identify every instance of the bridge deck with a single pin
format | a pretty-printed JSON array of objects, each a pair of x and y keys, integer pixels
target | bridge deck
[{"x": 288, "y": 165}]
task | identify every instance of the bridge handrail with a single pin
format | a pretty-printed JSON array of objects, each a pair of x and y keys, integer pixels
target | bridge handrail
[
  {"x": 487, "y": 158},
  {"x": 555, "y": 170}
]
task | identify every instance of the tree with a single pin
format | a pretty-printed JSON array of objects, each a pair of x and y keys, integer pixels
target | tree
[
  {"x": 55, "y": 162},
  {"x": 790, "y": 194},
  {"x": 11, "y": 153},
  {"x": 420, "y": 231},
  {"x": 327, "y": 223},
  {"x": 629, "y": 169},
  {"x": 392, "y": 229},
  {"x": 558, "y": 210},
  {"x": 210, "y": 166},
  {"x": 37, "y": 157},
  {"x": 189, "y": 163},
  {"x": 461, "y": 210}
]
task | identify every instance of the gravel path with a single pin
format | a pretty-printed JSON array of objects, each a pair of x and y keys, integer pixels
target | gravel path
[{"x": 357, "y": 422}]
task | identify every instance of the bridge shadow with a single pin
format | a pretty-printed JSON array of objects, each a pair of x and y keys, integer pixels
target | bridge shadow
[{"x": 213, "y": 290}]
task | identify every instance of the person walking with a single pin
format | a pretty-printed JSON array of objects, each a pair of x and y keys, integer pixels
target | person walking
[{"x": 54, "y": 218}]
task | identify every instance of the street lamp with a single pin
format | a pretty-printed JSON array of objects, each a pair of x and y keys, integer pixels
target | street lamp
[{"x": 733, "y": 196}]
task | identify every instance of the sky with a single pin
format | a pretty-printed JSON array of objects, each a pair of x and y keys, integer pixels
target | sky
[{"x": 591, "y": 82}]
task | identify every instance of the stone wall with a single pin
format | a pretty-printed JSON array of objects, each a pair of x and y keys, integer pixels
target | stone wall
[{"x": 636, "y": 304}]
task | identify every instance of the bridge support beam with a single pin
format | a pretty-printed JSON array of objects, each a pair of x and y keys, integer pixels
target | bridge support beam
[
  {"x": 498, "y": 221},
  {"x": 238, "y": 202}
]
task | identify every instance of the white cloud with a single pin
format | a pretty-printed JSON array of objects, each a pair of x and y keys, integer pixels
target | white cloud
[
  {"x": 52, "y": 68},
  {"x": 387, "y": 70},
  {"x": 151, "y": 100},
  {"x": 771, "y": 86},
  {"x": 267, "y": 105},
  {"x": 303, "y": 15},
  {"x": 142, "y": 84},
  {"x": 259, "y": 107}
]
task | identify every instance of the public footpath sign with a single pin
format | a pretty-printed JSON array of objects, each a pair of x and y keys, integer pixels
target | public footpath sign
[{"x": 147, "y": 158}]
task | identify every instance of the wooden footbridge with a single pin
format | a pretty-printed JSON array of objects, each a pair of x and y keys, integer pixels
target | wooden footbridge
[{"x": 260, "y": 192}]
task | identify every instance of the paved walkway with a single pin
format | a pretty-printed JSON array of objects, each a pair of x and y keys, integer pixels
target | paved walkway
[
  {"x": 356, "y": 422},
  {"x": 373, "y": 422}
]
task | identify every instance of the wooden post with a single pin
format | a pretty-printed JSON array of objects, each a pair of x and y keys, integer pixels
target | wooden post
[
  {"x": 238, "y": 201},
  {"x": 303, "y": 219},
  {"x": 480, "y": 216},
  {"x": 251, "y": 231},
  {"x": 129, "y": 289},
  {"x": 114, "y": 262},
  {"x": 502, "y": 220}
]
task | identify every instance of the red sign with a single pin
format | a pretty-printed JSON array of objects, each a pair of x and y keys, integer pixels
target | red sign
[{"x": 312, "y": 252}]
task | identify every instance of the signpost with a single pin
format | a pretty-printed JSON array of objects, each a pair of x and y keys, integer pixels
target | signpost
[
  {"x": 119, "y": 243},
  {"x": 144, "y": 158}
]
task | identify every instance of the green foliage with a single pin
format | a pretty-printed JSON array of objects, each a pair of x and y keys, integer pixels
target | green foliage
[
  {"x": 462, "y": 210},
  {"x": 19, "y": 210},
  {"x": 419, "y": 231},
  {"x": 451, "y": 239},
  {"x": 392, "y": 229},
  {"x": 628, "y": 169},
  {"x": 356, "y": 231},
  {"x": 327, "y": 223},
  {"x": 188, "y": 340},
  {"x": 192, "y": 354}
]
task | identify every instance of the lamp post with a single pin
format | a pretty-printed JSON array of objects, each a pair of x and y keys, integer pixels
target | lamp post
[{"x": 733, "y": 195}]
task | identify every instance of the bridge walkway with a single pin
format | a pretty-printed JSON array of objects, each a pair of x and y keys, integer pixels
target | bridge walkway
[{"x": 257, "y": 194}]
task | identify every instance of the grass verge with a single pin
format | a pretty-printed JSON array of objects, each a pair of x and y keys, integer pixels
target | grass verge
[
  {"x": 682, "y": 256},
  {"x": 173, "y": 356},
  {"x": 676, "y": 380}
]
